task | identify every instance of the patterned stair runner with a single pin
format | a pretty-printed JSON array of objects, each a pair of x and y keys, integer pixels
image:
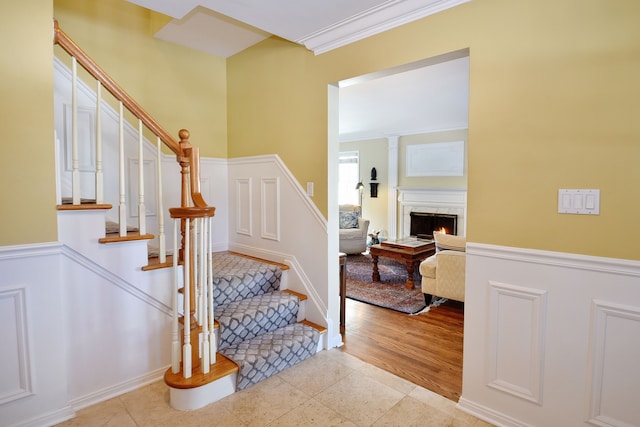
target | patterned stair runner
[
  {"x": 258, "y": 328},
  {"x": 273, "y": 352},
  {"x": 236, "y": 278},
  {"x": 245, "y": 319}
]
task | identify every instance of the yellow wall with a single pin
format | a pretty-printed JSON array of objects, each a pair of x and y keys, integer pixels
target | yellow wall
[
  {"x": 554, "y": 103},
  {"x": 179, "y": 87},
  {"x": 27, "y": 188},
  {"x": 373, "y": 154}
]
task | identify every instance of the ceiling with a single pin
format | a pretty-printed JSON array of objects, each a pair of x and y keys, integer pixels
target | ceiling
[
  {"x": 422, "y": 97},
  {"x": 225, "y": 27},
  {"x": 426, "y": 96}
]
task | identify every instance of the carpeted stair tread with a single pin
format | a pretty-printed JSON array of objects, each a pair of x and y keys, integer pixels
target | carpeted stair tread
[
  {"x": 268, "y": 354},
  {"x": 250, "y": 317},
  {"x": 236, "y": 278}
]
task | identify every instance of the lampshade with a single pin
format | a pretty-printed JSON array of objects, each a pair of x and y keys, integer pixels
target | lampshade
[{"x": 360, "y": 186}]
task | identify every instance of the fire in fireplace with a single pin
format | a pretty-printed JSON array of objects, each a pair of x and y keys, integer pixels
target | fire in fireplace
[{"x": 423, "y": 224}]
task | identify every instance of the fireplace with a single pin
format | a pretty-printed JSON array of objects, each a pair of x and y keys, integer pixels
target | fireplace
[
  {"x": 423, "y": 224},
  {"x": 440, "y": 201}
]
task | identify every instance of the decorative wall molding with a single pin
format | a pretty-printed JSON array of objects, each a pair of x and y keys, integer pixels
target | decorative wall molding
[
  {"x": 581, "y": 312},
  {"x": 614, "y": 375},
  {"x": 384, "y": 17},
  {"x": 517, "y": 319},
  {"x": 270, "y": 209},
  {"x": 115, "y": 280},
  {"x": 300, "y": 192},
  {"x": 557, "y": 259},
  {"x": 16, "y": 368},
  {"x": 244, "y": 210}
]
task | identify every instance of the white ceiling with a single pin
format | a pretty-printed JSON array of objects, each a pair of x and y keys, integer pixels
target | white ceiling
[
  {"x": 432, "y": 95},
  {"x": 422, "y": 97},
  {"x": 225, "y": 27}
]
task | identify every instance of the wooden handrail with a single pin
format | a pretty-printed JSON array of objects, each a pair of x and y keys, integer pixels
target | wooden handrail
[{"x": 63, "y": 40}]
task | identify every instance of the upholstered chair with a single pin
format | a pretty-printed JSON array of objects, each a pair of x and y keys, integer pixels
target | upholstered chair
[
  {"x": 353, "y": 230},
  {"x": 443, "y": 274}
]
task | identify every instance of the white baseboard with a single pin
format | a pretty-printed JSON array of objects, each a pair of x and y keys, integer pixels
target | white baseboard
[
  {"x": 488, "y": 414},
  {"x": 118, "y": 389},
  {"x": 49, "y": 419}
]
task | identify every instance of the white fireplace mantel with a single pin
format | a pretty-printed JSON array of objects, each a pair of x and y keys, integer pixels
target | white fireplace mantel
[{"x": 452, "y": 201}]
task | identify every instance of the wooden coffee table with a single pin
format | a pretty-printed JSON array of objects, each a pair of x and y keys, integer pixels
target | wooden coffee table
[{"x": 409, "y": 251}]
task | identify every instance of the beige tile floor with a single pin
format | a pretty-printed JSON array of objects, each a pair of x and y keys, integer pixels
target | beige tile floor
[{"x": 332, "y": 388}]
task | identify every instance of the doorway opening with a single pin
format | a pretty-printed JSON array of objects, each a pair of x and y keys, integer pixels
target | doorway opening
[{"x": 364, "y": 106}]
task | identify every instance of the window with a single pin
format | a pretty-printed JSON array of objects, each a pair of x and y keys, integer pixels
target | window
[{"x": 348, "y": 178}]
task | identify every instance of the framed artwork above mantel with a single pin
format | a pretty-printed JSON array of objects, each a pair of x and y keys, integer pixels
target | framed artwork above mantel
[{"x": 435, "y": 159}]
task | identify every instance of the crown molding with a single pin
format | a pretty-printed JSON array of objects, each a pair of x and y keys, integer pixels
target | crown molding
[{"x": 373, "y": 21}]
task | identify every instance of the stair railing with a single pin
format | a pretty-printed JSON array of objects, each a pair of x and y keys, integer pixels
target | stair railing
[
  {"x": 196, "y": 348},
  {"x": 103, "y": 80}
]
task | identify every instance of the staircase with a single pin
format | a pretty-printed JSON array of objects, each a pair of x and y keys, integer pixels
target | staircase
[{"x": 234, "y": 323}]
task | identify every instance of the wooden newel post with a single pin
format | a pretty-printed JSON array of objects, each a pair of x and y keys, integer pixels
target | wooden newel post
[{"x": 184, "y": 159}]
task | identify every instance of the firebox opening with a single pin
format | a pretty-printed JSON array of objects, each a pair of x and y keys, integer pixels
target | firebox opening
[{"x": 423, "y": 224}]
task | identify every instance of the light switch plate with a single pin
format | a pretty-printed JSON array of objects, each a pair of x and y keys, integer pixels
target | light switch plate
[
  {"x": 581, "y": 202},
  {"x": 310, "y": 189}
]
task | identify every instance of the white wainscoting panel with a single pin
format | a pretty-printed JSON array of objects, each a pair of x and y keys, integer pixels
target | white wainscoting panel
[
  {"x": 244, "y": 206},
  {"x": 270, "y": 200},
  {"x": 516, "y": 340},
  {"x": 615, "y": 378},
  {"x": 15, "y": 369},
  {"x": 550, "y": 338}
]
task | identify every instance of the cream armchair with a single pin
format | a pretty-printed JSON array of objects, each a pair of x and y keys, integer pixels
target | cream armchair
[
  {"x": 353, "y": 230},
  {"x": 443, "y": 274}
]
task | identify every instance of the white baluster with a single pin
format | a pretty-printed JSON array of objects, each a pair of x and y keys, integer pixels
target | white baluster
[
  {"x": 142, "y": 214},
  {"x": 196, "y": 275},
  {"x": 122, "y": 213},
  {"x": 161, "y": 238},
  {"x": 175, "y": 327},
  {"x": 99, "y": 173},
  {"x": 186, "y": 284},
  {"x": 75, "y": 162},
  {"x": 212, "y": 337},
  {"x": 206, "y": 364}
]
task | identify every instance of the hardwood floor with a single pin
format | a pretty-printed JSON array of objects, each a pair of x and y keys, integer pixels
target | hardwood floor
[{"x": 425, "y": 349}]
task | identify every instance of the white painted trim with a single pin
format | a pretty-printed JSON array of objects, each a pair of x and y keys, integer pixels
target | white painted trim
[
  {"x": 571, "y": 284},
  {"x": 270, "y": 223},
  {"x": 24, "y": 388},
  {"x": 602, "y": 314},
  {"x": 398, "y": 133},
  {"x": 558, "y": 259},
  {"x": 432, "y": 200},
  {"x": 244, "y": 198},
  {"x": 30, "y": 250},
  {"x": 118, "y": 389},
  {"x": 384, "y": 17},
  {"x": 392, "y": 184},
  {"x": 50, "y": 418},
  {"x": 292, "y": 180},
  {"x": 115, "y": 280},
  {"x": 489, "y": 415},
  {"x": 501, "y": 334}
]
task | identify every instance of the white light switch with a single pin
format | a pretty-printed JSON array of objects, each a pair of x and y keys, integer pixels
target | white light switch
[
  {"x": 585, "y": 202},
  {"x": 310, "y": 189}
]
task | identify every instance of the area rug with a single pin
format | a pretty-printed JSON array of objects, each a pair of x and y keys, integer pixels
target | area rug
[{"x": 390, "y": 292}]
